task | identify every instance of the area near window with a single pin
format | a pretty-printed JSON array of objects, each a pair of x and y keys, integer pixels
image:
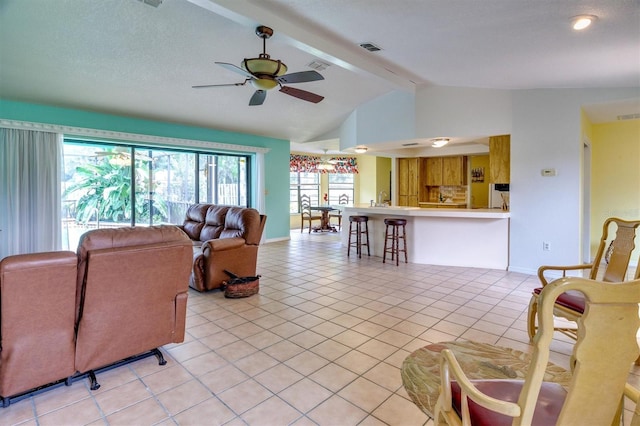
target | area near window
[
  {"x": 305, "y": 178},
  {"x": 114, "y": 185}
]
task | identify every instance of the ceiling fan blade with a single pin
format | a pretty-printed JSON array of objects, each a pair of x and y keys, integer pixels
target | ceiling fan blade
[
  {"x": 301, "y": 94},
  {"x": 258, "y": 97},
  {"x": 204, "y": 86},
  {"x": 235, "y": 69},
  {"x": 300, "y": 77}
]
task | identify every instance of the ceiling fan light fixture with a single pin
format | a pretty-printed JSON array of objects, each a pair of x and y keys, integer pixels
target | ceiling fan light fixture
[
  {"x": 264, "y": 83},
  {"x": 265, "y": 74},
  {"x": 325, "y": 163},
  {"x": 264, "y": 65},
  {"x": 326, "y": 166},
  {"x": 439, "y": 142},
  {"x": 581, "y": 22},
  {"x": 361, "y": 149}
]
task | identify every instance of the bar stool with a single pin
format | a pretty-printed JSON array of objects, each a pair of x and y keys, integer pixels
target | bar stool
[
  {"x": 358, "y": 231},
  {"x": 395, "y": 238}
]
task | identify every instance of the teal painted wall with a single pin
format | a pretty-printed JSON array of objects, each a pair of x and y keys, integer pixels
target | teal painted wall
[{"x": 276, "y": 173}]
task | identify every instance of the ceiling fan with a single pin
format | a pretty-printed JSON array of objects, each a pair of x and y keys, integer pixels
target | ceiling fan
[
  {"x": 327, "y": 163},
  {"x": 265, "y": 74}
]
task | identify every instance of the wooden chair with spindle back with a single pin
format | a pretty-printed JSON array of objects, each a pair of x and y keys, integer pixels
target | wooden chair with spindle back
[
  {"x": 617, "y": 255},
  {"x": 305, "y": 212},
  {"x": 342, "y": 199}
]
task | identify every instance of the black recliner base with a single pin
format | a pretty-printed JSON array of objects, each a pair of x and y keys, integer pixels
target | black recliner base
[{"x": 91, "y": 374}]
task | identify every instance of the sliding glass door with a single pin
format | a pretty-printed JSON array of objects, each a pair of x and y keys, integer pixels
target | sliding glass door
[
  {"x": 223, "y": 180},
  {"x": 165, "y": 185},
  {"x": 111, "y": 185}
]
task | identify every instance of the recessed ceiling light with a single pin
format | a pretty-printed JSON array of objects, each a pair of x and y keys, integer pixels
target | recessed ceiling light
[
  {"x": 582, "y": 21},
  {"x": 439, "y": 142}
]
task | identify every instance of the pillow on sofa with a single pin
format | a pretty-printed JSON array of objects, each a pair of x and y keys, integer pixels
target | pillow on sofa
[
  {"x": 194, "y": 220},
  {"x": 214, "y": 222}
]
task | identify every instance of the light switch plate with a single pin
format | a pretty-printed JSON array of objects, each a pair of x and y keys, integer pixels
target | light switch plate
[{"x": 548, "y": 172}]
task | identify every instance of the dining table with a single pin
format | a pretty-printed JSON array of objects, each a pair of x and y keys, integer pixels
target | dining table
[{"x": 324, "y": 220}]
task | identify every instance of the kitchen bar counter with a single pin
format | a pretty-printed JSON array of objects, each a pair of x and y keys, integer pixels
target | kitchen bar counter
[{"x": 451, "y": 237}]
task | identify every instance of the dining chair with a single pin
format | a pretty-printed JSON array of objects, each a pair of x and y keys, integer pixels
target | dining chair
[
  {"x": 601, "y": 362},
  {"x": 305, "y": 212},
  {"x": 342, "y": 199},
  {"x": 633, "y": 394},
  {"x": 616, "y": 253}
]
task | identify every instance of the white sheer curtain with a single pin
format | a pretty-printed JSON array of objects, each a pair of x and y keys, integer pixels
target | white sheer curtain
[{"x": 30, "y": 174}]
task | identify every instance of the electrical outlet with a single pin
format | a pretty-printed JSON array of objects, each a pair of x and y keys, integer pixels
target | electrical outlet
[{"x": 546, "y": 246}]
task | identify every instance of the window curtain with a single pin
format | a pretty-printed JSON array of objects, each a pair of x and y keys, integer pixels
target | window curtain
[
  {"x": 30, "y": 199},
  {"x": 309, "y": 164}
]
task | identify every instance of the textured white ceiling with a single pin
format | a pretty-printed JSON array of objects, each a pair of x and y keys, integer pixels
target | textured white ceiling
[{"x": 125, "y": 57}]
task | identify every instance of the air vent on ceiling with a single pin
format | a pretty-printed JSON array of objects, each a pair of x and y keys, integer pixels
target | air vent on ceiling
[
  {"x": 154, "y": 3},
  {"x": 410, "y": 144},
  {"x": 318, "y": 65},
  {"x": 370, "y": 47},
  {"x": 628, "y": 117}
]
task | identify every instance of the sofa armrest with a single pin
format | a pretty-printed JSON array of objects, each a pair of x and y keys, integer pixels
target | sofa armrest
[
  {"x": 180, "y": 317},
  {"x": 197, "y": 278},
  {"x": 223, "y": 244},
  {"x": 219, "y": 256}
]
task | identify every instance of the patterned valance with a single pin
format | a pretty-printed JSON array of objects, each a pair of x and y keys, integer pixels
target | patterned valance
[{"x": 309, "y": 164}]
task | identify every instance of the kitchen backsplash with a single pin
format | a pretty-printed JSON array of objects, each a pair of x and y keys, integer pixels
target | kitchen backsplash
[{"x": 457, "y": 194}]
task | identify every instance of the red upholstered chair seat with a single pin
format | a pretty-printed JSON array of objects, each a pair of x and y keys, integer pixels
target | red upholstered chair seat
[
  {"x": 572, "y": 300},
  {"x": 547, "y": 410}
]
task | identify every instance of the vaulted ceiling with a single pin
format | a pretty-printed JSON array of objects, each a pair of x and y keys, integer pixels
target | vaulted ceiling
[{"x": 130, "y": 58}]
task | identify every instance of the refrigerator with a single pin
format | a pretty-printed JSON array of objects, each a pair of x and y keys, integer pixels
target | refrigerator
[{"x": 498, "y": 191}]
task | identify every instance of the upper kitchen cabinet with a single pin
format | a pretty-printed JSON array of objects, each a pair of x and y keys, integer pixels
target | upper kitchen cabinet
[
  {"x": 499, "y": 159},
  {"x": 446, "y": 171},
  {"x": 433, "y": 171},
  {"x": 454, "y": 170},
  {"x": 408, "y": 181}
]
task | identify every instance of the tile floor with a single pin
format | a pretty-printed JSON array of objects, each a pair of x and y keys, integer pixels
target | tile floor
[{"x": 322, "y": 344}]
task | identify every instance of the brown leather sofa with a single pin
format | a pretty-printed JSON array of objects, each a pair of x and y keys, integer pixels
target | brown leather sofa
[
  {"x": 66, "y": 315},
  {"x": 224, "y": 238},
  {"x": 37, "y": 320}
]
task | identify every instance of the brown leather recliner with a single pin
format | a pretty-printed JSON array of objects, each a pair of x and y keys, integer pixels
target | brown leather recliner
[
  {"x": 224, "y": 238},
  {"x": 132, "y": 292},
  {"x": 64, "y": 315},
  {"x": 37, "y": 318}
]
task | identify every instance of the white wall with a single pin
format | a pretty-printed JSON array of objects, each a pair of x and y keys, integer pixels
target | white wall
[
  {"x": 387, "y": 118},
  {"x": 462, "y": 112},
  {"x": 547, "y": 134}
]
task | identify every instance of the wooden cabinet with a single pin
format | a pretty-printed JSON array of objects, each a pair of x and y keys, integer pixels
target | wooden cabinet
[
  {"x": 499, "y": 159},
  {"x": 454, "y": 170},
  {"x": 433, "y": 171},
  {"x": 449, "y": 171},
  {"x": 408, "y": 181},
  {"x": 416, "y": 175}
]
